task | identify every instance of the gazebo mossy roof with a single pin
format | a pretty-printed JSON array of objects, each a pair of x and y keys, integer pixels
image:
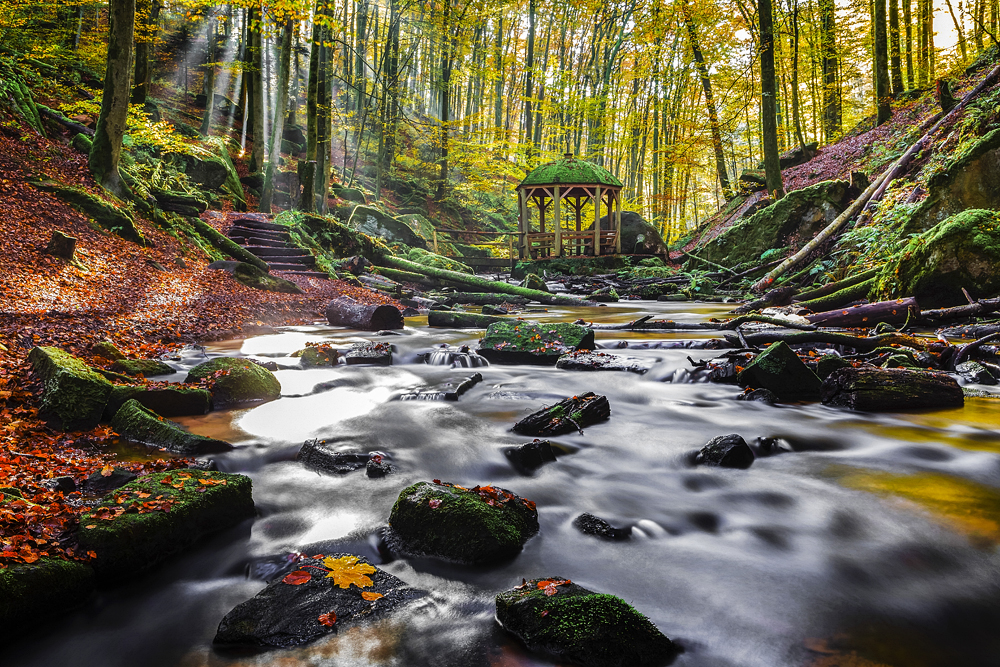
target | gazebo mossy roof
[{"x": 570, "y": 171}]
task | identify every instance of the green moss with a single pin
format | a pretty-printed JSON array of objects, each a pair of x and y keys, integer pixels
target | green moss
[
  {"x": 33, "y": 594},
  {"x": 241, "y": 381},
  {"x": 137, "y": 423},
  {"x": 147, "y": 367},
  {"x": 427, "y": 258},
  {"x": 73, "y": 394},
  {"x": 333, "y": 236},
  {"x": 779, "y": 369},
  {"x": 108, "y": 350},
  {"x": 106, "y": 215},
  {"x": 522, "y": 341},
  {"x": 568, "y": 171},
  {"x": 571, "y": 266},
  {"x": 532, "y": 281},
  {"x": 463, "y": 527},
  {"x": 581, "y": 626},
  {"x": 133, "y": 542},
  {"x": 171, "y": 401}
]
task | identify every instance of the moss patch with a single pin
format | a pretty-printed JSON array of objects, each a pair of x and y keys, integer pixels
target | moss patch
[
  {"x": 146, "y": 367},
  {"x": 171, "y": 401},
  {"x": 137, "y": 423},
  {"x": 132, "y": 542},
  {"x": 520, "y": 341},
  {"x": 104, "y": 214},
  {"x": 32, "y": 594},
  {"x": 427, "y": 258},
  {"x": 779, "y": 369},
  {"x": 73, "y": 394},
  {"x": 236, "y": 381}
]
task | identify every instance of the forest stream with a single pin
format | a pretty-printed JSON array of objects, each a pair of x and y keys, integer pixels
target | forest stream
[{"x": 867, "y": 539}]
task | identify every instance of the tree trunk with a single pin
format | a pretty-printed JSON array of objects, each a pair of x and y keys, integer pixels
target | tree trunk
[
  {"x": 529, "y": 72},
  {"x": 883, "y": 93},
  {"x": 278, "y": 125},
  {"x": 872, "y": 389},
  {"x": 828, "y": 49},
  {"x": 896, "y": 74},
  {"x": 308, "y": 169},
  {"x": 145, "y": 39},
  {"x": 110, "y": 129},
  {"x": 768, "y": 105},
  {"x": 346, "y": 312},
  {"x": 867, "y": 315},
  {"x": 208, "y": 89},
  {"x": 908, "y": 24},
  {"x": 256, "y": 91},
  {"x": 795, "y": 76}
]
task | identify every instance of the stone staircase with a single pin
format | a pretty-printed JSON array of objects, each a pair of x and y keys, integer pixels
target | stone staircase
[{"x": 271, "y": 243}]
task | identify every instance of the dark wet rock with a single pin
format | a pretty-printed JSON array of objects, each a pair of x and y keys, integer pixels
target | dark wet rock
[
  {"x": 35, "y": 592},
  {"x": 285, "y": 615},
  {"x": 147, "y": 367},
  {"x": 172, "y": 401},
  {"x": 378, "y": 465},
  {"x": 463, "y": 357},
  {"x": 588, "y": 360},
  {"x": 566, "y": 416},
  {"x": 319, "y": 356},
  {"x": 203, "y": 502},
  {"x": 771, "y": 446},
  {"x": 604, "y": 295},
  {"x": 99, "y": 484},
  {"x": 726, "y": 451},
  {"x": 137, "y": 423},
  {"x": 975, "y": 372},
  {"x": 639, "y": 236},
  {"x": 378, "y": 354},
  {"x": 532, "y": 281},
  {"x": 891, "y": 389},
  {"x": 373, "y": 222},
  {"x": 108, "y": 350},
  {"x": 572, "y": 624},
  {"x": 65, "y": 484},
  {"x": 526, "y": 342},
  {"x": 759, "y": 396},
  {"x": 494, "y": 310},
  {"x": 530, "y": 456},
  {"x": 203, "y": 464},
  {"x": 588, "y": 524},
  {"x": 779, "y": 369},
  {"x": 236, "y": 381},
  {"x": 326, "y": 457},
  {"x": 478, "y": 525},
  {"x": 829, "y": 363},
  {"x": 463, "y": 386},
  {"x": 73, "y": 393}
]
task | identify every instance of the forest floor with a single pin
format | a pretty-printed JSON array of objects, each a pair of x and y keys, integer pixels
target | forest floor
[{"x": 141, "y": 299}]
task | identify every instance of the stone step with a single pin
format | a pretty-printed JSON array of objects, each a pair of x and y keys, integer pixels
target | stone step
[
  {"x": 262, "y": 243},
  {"x": 236, "y": 230},
  {"x": 307, "y": 274},
  {"x": 275, "y": 251},
  {"x": 292, "y": 263},
  {"x": 255, "y": 223}
]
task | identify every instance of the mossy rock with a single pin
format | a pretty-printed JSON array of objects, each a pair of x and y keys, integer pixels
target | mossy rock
[
  {"x": 104, "y": 214},
  {"x": 348, "y": 194},
  {"x": 166, "y": 401},
  {"x": 962, "y": 251},
  {"x": 334, "y": 236},
  {"x": 425, "y": 229},
  {"x": 570, "y": 623},
  {"x": 652, "y": 262},
  {"x": 133, "y": 542},
  {"x": 532, "y": 281},
  {"x": 251, "y": 276},
  {"x": 108, "y": 350},
  {"x": 646, "y": 271},
  {"x": 73, "y": 393},
  {"x": 604, "y": 295},
  {"x": 572, "y": 266},
  {"x": 373, "y": 222},
  {"x": 210, "y": 173},
  {"x": 137, "y": 423},
  {"x": 427, "y": 258},
  {"x": 791, "y": 221},
  {"x": 242, "y": 381},
  {"x": 461, "y": 525},
  {"x": 780, "y": 370},
  {"x": 638, "y": 235},
  {"x": 36, "y": 593},
  {"x": 82, "y": 143},
  {"x": 315, "y": 357},
  {"x": 522, "y": 341},
  {"x": 146, "y": 367}
]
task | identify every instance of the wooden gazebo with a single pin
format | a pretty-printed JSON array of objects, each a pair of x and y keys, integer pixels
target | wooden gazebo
[{"x": 577, "y": 183}]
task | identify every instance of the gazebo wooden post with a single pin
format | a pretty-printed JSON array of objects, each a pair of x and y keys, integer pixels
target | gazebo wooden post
[
  {"x": 522, "y": 202},
  {"x": 618, "y": 223},
  {"x": 597, "y": 221},
  {"x": 557, "y": 221}
]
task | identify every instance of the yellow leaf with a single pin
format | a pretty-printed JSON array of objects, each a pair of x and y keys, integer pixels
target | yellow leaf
[
  {"x": 347, "y": 570},
  {"x": 371, "y": 596}
]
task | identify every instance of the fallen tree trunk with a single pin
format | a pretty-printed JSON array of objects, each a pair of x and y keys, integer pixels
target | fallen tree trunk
[
  {"x": 449, "y": 319},
  {"x": 346, "y": 312},
  {"x": 867, "y": 315},
  {"x": 971, "y": 331},
  {"x": 874, "y": 191},
  {"x": 648, "y": 324},
  {"x": 860, "y": 343},
  {"x": 408, "y": 276},
  {"x": 463, "y": 387},
  {"x": 841, "y": 297},
  {"x": 63, "y": 120},
  {"x": 482, "y": 299},
  {"x": 566, "y": 416},
  {"x": 483, "y": 285},
  {"x": 226, "y": 245},
  {"x": 837, "y": 286},
  {"x": 981, "y": 307},
  {"x": 873, "y": 389}
]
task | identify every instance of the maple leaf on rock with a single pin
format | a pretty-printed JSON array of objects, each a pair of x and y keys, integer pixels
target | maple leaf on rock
[{"x": 346, "y": 570}]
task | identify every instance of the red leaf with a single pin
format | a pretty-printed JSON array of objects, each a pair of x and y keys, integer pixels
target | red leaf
[
  {"x": 297, "y": 578},
  {"x": 434, "y": 503},
  {"x": 328, "y": 619}
]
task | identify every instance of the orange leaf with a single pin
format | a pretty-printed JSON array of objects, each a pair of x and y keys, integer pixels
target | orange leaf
[
  {"x": 328, "y": 619},
  {"x": 297, "y": 578},
  {"x": 371, "y": 596},
  {"x": 346, "y": 571}
]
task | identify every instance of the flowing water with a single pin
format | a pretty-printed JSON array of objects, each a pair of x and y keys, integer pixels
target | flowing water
[{"x": 870, "y": 540}]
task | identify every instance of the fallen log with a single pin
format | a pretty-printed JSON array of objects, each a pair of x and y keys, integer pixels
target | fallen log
[
  {"x": 873, "y": 389},
  {"x": 566, "y": 416},
  {"x": 646, "y": 323},
  {"x": 841, "y": 297},
  {"x": 346, "y": 312},
  {"x": 868, "y": 315},
  {"x": 73, "y": 126},
  {"x": 463, "y": 387},
  {"x": 836, "y": 286},
  {"x": 482, "y": 299},
  {"x": 449, "y": 319},
  {"x": 860, "y": 343},
  {"x": 483, "y": 285},
  {"x": 408, "y": 277},
  {"x": 969, "y": 348},
  {"x": 976, "y": 309},
  {"x": 971, "y": 331}
]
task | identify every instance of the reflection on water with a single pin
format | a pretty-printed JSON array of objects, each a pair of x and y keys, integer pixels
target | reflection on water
[{"x": 869, "y": 541}]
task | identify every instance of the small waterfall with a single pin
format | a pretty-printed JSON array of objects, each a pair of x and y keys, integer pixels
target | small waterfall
[{"x": 462, "y": 357}]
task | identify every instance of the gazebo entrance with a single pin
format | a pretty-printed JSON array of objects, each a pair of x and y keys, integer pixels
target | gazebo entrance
[{"x": 576, "y": 183}]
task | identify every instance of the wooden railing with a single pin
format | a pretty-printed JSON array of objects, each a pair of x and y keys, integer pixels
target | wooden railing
[
  {"x": 483, "y": 262},
  {"x": 574, "y": 244}
]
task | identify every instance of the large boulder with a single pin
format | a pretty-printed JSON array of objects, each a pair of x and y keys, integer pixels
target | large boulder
[
  {"x": 427, "y": 258},
  {"x": 791, "y": 221},
  {"x": 322, "y": 596},
  {"x": 73, "y": 393},
  {"x": 639, "y": 236},
  {"x": 962, "y": 251},
  {"x": 566, "y": 621},
  {"x": 424, "y": 228},
  {"x": 477, "y": 525},
  {"x": 47, "y": 588},
  {"x": 167, "y": 401},
  {"x": 373, "y": 222},
  {"x": 236, "y": 381},
  {"x": 526, "y": 342},
  {"x": 139, "y": 424},
  {"x": 208, "y": 172},
  {"x": 779, "y": 369},
  {"x": 145, "y": 521}
]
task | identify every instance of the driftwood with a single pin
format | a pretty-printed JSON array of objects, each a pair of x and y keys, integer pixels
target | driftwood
[
  {"x": 867, "y": 315},
  {"x": 860, "y": 343},
  {"x": 969, "y": 348},
  {"x": 890, "y": 389},
  {"x": 463, "y": 387},
  {"x": 346, "y": 312},
  {"x": 971, "y": 331},
  {"x": 975, "y": 309},
  {"x": 566, "y": 416},
  {"x": 875, "y": 191},
  {"x": 450, "y": 319}
]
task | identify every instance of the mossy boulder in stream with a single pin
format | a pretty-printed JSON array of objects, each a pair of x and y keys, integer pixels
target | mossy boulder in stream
[
  {"x": 236, "y": 381},
  {"x": 167, "y": 401},
  {"x": 137, "y": 423},
  {"x": 962, "y": 251},
  {"x": 527, "y": 342},
  {"x": 130, "y": 531},
  {"x": 779, "y": 369},
  {"x": 73, "y": 393},
  {"x": 477, "y": 525},
  {"x": 533, "y": 281},
  {"x": 569, "y": 623},
  {"x": 31, "y": 594},
  {"x": 322, "y": 596},
  {"x": 566, "y": 416},
  {"x": 427, "y": 258},
  {"x": 146, "y": 367}
]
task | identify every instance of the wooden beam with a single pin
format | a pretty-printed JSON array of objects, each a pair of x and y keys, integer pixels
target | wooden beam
[
  {"x": 618, "y": 223},
  {"x": 597, "y": 221},
  {"x": 558, "y": 223}
]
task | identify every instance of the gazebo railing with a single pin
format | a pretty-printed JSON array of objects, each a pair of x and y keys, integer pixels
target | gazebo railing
[{"x": 574, "y": 244}]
